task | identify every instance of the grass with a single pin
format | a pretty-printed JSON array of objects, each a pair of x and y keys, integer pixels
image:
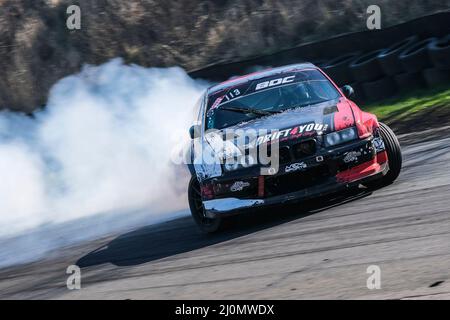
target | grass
[{"x": 408, "y": 106}]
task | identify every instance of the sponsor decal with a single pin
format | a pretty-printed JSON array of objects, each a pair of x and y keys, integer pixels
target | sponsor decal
[
  {"x": 239, "y": 186},
  {"x": 295, "y": 167},
  {"x": 352, "y": 156},
  {"x": 297, "y": 131},
  {"x": 215, "y": 105},
  {"x": 234, "y": 93},
  {"x": 274, "y": 82},
  {"x": 378, "y": 143}
]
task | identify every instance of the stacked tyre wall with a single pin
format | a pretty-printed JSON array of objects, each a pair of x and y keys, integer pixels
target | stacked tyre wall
[{"x": 377, "y": 64}]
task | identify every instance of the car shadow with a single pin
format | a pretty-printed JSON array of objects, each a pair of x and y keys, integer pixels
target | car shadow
[{"x": 170, "y": 238}]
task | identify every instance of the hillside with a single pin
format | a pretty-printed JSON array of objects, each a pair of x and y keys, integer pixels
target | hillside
[{"x": 36, "y": 48}]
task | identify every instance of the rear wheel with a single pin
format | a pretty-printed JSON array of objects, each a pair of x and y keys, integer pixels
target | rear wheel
[
  {"x": 207, "y": 225},
  {"x": 394, "y": 154}
]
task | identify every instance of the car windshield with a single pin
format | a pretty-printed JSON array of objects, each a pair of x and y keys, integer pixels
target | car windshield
[{"x": 268, "y": 96}]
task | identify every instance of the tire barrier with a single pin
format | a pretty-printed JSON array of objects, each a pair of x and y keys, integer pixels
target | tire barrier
[
  {"x": 439, "y": 52},
  {"x": 358, "y": 96},
  {"x": 389, "y": 58},
  {"x": 320, "y": 63},
  {"x": 379, "y": 89},
  {"x": 415, "y": 58},
  {"x": 409, "y": 81},
  {"x": 366, "y": 68},
  {"x": 436, "y": 77},
  {"x": 406, "y": 57},
  {"x": 338, "y": 69}
]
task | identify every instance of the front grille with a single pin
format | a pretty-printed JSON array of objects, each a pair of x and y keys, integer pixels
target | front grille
[
  {"x": 298, "y": 151},
  {"x": 296, "y": 181},
  {"x": 304, "y": 149},
  {"x": 285, "y": 155},
  {"x": 283, "y": 152}
]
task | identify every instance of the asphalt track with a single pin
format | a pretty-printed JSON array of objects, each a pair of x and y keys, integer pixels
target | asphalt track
[{"x": 304, "y": 251}]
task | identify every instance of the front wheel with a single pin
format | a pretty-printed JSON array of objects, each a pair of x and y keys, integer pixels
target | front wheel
[
  {"x": 207, "y": 225},
  {"x": 394, "y": 154}
]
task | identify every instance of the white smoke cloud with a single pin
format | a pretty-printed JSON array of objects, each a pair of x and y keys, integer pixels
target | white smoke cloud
[{"x": 102, "y": 144}]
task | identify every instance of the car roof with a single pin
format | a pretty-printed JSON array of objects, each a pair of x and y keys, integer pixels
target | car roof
[{"x": 259, "y": 75}]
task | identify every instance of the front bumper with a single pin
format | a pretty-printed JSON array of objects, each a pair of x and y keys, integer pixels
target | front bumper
[{"x": 326, "y": 172}]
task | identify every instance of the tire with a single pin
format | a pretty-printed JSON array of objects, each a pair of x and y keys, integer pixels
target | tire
[
  {"x": 439, "y": 52},
  {"x": 415, "y": 57},
  {"x": 206, "y": 225},
  {"x": 436, "y": 77},
  {"x": 394, "y": 154},
  {"x": 389, "y": 57},
  {"x": 379, "y": 89},
  {"x": 367, "y": 68},
  {"x": 319, "y": 63},
  {"x": 409, "y": 81},
  {"x": 338, "y": 69},
  {"x": 253, "y": 69}
]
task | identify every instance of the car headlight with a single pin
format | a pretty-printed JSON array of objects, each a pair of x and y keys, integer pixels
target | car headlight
[
  {"x": 342, "y": 136},
  {"x": 233, "y": 164}
]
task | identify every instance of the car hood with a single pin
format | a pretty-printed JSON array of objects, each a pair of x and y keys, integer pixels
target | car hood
[
  {"x": 323, "y": 113},
  {"x": 297, "y": 123}
]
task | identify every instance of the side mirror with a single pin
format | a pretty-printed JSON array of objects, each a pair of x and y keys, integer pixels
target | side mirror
[
  {"x": 347, "y": 91},
  {"x": 194, "y": 131}
]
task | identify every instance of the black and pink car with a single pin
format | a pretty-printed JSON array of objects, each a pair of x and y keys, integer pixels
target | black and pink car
[{"x": 280, "y": 135}]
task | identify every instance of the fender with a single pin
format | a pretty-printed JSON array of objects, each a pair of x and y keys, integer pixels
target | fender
[
  {"x": 365, "y": 122},
  {"x": 345, "y": 117}
]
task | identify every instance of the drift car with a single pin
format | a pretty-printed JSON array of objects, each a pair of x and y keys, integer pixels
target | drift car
[{"x": 323, "y": 142}]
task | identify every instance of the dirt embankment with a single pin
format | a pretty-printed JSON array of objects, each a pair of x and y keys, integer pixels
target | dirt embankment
[{"x": 37, "y": 49}]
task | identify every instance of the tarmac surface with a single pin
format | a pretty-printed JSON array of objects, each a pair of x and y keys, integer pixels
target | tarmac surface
[{"x": 306, "y": 251}]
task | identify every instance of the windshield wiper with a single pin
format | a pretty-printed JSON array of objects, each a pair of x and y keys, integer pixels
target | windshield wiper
[
  {"x": 249, "y": 110},
  {"x": 305, "y": 105}
]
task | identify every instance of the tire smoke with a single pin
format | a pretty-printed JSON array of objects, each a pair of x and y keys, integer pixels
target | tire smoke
[{"x": 102, "y": 145}]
